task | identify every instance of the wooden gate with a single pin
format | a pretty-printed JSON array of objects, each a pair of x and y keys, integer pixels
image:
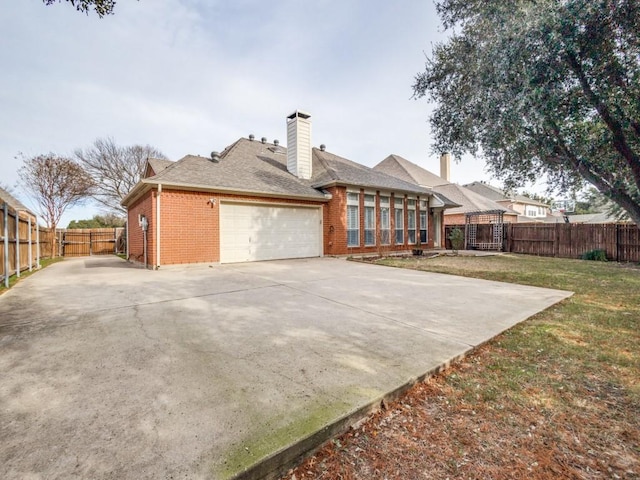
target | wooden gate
[{"x": 94, "y": 241}]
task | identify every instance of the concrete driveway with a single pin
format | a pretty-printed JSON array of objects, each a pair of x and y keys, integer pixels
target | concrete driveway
[{"x": 110, "y": 371}]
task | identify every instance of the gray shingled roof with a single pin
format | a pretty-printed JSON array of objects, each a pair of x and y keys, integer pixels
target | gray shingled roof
[
  {"x": 246, "y": 166},
  {"x": 12, "y": 201},
  {"x": 330, "y": 169},
  {"x": 159, "y": 164},
  {"x": 496, "y": 194},
  {"x": 410, "y": 172},
  {"x": 468, "y": 200}
]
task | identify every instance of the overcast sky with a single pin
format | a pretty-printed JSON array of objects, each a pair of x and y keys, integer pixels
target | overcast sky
[{"x": 192, "y": 76}]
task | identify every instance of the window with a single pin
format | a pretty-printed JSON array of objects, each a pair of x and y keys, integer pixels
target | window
[
  {"x": 423, "y": 226},
  {"x": 411, "y": 221},
  {"x": 353, "y": 219},
  {"x": 369, "y": 219},
  {"x": 399, "y": 213},
  {"x": 385, "y": 227}
]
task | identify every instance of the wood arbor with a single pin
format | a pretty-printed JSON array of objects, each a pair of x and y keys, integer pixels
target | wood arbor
[{"x": 484, "y": 230}]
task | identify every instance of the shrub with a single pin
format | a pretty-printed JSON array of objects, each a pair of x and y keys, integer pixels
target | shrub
[
  {"x": 596, "y": 255},
  {"x": 457, "y": 239}
]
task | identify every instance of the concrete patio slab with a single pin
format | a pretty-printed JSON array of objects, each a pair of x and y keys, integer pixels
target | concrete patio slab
[{"x": 111, "y": 371}]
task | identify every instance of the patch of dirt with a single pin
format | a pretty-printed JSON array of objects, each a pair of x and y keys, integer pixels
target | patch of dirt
[{"x": 441, "y": 429}]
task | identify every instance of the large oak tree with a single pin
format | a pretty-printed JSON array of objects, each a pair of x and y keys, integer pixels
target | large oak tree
[{"x": 542, "y": 86}]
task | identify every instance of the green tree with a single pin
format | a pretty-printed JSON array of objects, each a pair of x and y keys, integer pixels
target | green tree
[
  {"x": 115, "y": 169},
  {"x": 101, "y": 7},
  {"x": 108, "y": 220},
  {"x": 542, "y": 86}
]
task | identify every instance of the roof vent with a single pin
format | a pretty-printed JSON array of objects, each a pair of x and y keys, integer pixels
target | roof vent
[
  {"x": 263, "y": 139},
  {"x": 252, "y": 137},
  {"x": 276, "y": 142},
  {"x": 215, "y": 157},
  {"x": 323, "y": 147}
]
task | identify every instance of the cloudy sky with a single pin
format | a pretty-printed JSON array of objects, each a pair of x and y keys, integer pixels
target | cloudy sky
[{"x": 192, "y": 76}]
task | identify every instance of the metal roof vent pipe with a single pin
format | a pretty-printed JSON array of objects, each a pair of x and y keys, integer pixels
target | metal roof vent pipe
[
  {"x": 276, "y": 142},
  {"x": 263, "y": 139},
  {"x": 252, "y": 137},
  {"x": 323, "y": 147},
  {"x": 215, "y": 157},
  {"x": 445, "y": 166}
]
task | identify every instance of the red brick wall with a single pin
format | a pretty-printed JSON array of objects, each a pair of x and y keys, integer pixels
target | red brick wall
[
  {"x": 335, "y": 222},
  {"x": 143, "y": 206}
]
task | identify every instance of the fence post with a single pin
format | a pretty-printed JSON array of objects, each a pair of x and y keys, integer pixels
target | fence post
[
  {"x": 556, "y": 241},
  {"x": 38, "y": 242},
  {"x": 5, "y": 212},
  {"x": 30, "y": 253},
  {"x": 17, "y": 243}
]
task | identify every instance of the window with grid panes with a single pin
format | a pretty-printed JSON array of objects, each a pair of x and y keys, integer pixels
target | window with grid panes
[
  {"x": 369, "y": 219},
  {"x": 398, "y": 208},
  {"x": 411, "y": 220},
  {"x": 353, "y": 219},
  {"x": 385, "y": 219},
  {"x": 424, "y": 221}
]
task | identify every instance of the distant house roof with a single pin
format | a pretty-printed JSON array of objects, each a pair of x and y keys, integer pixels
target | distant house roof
[
  {"x": 497, "y": 195},
  {"x": 404, "y": 169},
  {"x": 469, "y": 201},
  {"x": 13, "y": 202},
  {"x": 253, "y": 167}
]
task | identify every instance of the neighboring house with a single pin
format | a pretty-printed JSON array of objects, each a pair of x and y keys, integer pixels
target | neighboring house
[
  {"x": 16, "y": 205},
  {"x": 602, "y": 217},
  {"x": 260, "y": 201},
  {"x": 524, "y": 206},
  {"x": 460, "y": 199}
]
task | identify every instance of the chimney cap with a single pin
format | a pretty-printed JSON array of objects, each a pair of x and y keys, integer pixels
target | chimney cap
[{"x": 299, "y": 114}]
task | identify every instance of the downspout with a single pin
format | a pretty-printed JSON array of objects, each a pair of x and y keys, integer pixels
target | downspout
[
  {"x": 127, "y": 235},
  {"x": 5, "y": 210},
  {"x": 30, "y": 256},
  {"x": 158, "y": 226}
]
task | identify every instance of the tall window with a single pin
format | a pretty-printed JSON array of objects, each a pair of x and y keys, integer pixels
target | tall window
[
  {"x": 399, "y": 213},
  {"x": 385, "y": 226},
  {"x": 369, "y": 220},
  {"x": 423, "y": 226},
  {"x": 353, "y": 219},
  {"x": 411, "y": 220}
]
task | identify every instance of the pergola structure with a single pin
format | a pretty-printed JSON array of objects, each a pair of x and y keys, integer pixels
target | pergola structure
[{"x": 490, "y": 236}]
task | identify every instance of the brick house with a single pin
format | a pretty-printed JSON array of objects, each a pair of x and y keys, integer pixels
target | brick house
[{"x": 260, "y": 201}]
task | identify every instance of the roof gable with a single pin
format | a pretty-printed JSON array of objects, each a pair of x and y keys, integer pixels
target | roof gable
[
  {"x": 155, "y": 166},
  {"x": 469, "y": 200},
  {"x": 404, "y": 169}
]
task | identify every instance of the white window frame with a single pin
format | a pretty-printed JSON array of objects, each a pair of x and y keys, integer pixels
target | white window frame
[
  {"x": 353, "y": 234},
  {"x": 385, "y": 214},
  {"x": 411, "y": 214},
  {"x": 398, "y": 206},
  {"x": 424, "y": 226},
  {"x": 369, "y": 215}
]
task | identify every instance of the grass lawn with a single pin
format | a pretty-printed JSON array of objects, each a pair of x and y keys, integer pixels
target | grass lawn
[
  {"x": 13, "y": 279},
  {"x": 557, "y": 396}
]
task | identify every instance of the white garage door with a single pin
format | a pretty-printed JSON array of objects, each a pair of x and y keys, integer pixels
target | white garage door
[{"x": 261, "y": 232}]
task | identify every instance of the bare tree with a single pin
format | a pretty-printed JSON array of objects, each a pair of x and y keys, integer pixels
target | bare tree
[
  {"x": 55, "y": 183},
  {"x": 114, "y": 169},
  {"x": 101, "y": 7}
]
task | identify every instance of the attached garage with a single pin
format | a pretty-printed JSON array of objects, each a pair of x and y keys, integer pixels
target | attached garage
[{"x": 252, "y": 232}]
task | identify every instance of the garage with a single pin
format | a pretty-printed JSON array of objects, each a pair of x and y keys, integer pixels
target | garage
[{"x": 252, "y": 232}]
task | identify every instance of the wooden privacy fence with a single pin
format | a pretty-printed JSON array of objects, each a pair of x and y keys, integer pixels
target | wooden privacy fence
[
  {"x": 22, "y": 241},
  {"x": 620, "y": 241},
  {"x": 91, "y": 241}
]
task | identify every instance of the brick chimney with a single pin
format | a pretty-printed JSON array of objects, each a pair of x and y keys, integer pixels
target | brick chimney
[
  {"x": 299, "y": 144},
  {"x": 445, "y": 166}
]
